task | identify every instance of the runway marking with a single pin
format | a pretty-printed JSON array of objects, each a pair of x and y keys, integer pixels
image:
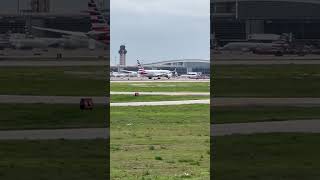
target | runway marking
[
  {"x": 294, "y": 126},
  {"x": 156, "y": 85},
  {"x": 70, "y": 134},
  {"x": 164, "y": 93},
  {"x": 161, "y": 103},
  {"x": 161, "y": 81}
]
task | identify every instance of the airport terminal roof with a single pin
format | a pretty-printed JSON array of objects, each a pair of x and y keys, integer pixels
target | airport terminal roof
[
  {"x": 177, "y": 62},
  {"x": 269, "y": 9},
  {"x": 299, "y": 1}
]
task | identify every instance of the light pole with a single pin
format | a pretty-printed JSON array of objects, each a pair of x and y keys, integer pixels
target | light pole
[
  {"x": 237, "y": 6},
  {"x": 18, "y": 7}
]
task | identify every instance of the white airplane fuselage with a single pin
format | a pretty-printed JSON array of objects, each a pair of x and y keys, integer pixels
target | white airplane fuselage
[
  {"x": 156, "y": 73},
  {"x": 250, "y": 46},
  {"x": 30, "y": 43}
]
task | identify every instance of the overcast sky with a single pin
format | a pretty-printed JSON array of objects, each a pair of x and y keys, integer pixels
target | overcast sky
[
  {"x": 155, "y": 30},
  {"x": 152, "y": 30}
]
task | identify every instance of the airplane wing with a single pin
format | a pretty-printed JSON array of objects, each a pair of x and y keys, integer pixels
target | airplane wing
[
  {"x": 82, "y": 34},
  {"x": 160, "y": 74},
  {"x": 126, "y": 71}
]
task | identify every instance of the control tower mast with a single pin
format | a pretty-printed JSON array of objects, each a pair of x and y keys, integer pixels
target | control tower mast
[
  {"x": 40, "y": 6},
  {"x": 122, "y": 53}
]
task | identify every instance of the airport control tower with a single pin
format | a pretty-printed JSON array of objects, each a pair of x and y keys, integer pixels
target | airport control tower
[
  {"x": 40, "y": 6},
  {"x": 122, "y": 53}
]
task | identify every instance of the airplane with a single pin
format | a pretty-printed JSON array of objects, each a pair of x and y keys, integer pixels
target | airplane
[
  {"x": 118, "y": 74},
  {"x": 72, "y": 42},
  {"x": 100, "y": 30},
  {"x": 130, "y": 73},
  {"x": 23, "y": 42},
  {"x": 191, "y": 75},
  {"x": 153, "y": 73},
  {"x": 20, "y": 41},
  {"x": 124, "y": 74},
  {"x": 249, "y": 46}
]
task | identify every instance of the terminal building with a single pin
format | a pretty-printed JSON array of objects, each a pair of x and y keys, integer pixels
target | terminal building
[
  {"x": 182, "y": 66},
  {"x": 235, "y": 20},
  {"x": 39, "y": 13},
  {"x": 22, "y": 23}
]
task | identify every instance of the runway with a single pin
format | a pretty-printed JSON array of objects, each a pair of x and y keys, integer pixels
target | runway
[
  {"x": 216, "y": 102},
  {"x": 161, "y": 103},
  {"x": 49, "y": 99},
  {"x": 303, "y": 102},
  {"x": 19, "y": 99},
  {"x": 53, "y": 63},
  {"x": 69, "y": 134},
  {"x": 163, "y": 93},
  {"x": 295, "y": 126}
]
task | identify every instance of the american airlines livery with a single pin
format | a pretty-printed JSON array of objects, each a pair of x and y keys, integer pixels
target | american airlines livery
[
  {"x": 153, "y": 73},
  {"x": 100, "y": 29}
]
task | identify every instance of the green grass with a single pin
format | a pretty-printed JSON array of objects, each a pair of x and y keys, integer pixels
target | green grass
[
  {"x": 266, "y": 81},
  {"x": 258, "y": 114},
  {"x": 54, "y": 159},
  {"x": 161, "y": 87},
  {"x": 165, "y": 142},
  {"x": 147, "y": 98},
  {"x": 266, "y": 157},
  {"x": 44, "y": 116},
  {"x": 53, "y": 81}
]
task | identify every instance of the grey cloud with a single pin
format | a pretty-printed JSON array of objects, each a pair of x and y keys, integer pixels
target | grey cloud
[{"x": 160, "y": 37}]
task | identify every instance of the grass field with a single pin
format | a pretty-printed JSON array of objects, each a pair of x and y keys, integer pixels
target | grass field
[
  {"x": 54, "y": 81},
  {"x": 161, "y": 87},
  {"x": 146, "y": 98},
  {"x": 164, "y": 142},
  {"x": 54, "y": 159},
  {"x": 266, "y": 81},
  {"x": 44, "y": 116},
  {"x": 266, "y": 157},
  {"x": 258, "y": 114}
]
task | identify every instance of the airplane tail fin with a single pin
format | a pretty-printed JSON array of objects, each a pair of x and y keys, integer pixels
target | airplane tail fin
[
  {"x": 98, "y": 21},
  {"x": 139, "y": 65},
  {"x": 175, "y": 72},
  {"x": 141, "y": 69}
]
